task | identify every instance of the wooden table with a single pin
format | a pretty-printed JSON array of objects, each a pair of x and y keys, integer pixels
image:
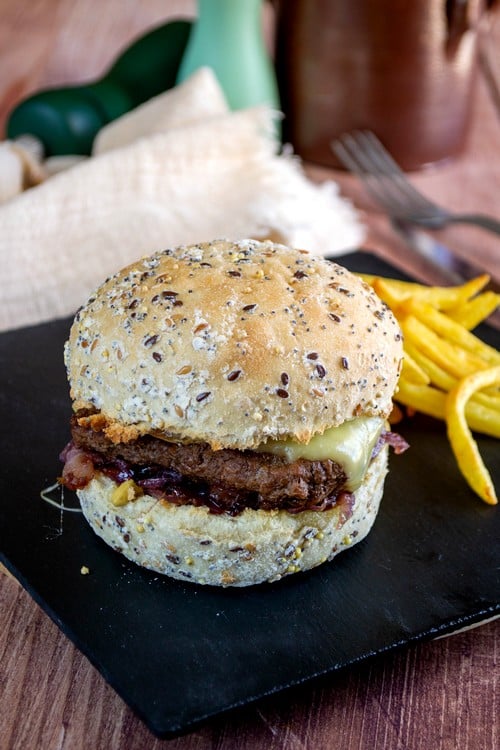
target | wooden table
[{"x": 437, "y": 695}]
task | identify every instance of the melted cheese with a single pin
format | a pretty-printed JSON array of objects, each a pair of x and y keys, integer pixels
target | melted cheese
[{"x": 350, "y": 444}]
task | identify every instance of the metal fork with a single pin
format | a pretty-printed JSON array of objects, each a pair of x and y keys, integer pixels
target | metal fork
[{"x": 364, "y": 155}]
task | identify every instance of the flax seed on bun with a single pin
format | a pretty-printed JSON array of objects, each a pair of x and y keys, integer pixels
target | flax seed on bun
[{"x": 241, "y": 354}]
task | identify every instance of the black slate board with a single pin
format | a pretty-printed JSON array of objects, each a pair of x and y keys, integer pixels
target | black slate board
[{"x": 178, "y": 653}]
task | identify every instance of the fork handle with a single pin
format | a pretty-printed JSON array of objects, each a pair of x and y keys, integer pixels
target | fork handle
[{"x": 479, "y": 220}]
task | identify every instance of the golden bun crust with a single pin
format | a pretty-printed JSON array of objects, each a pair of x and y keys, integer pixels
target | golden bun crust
[
  {"x": 231, "y": 344},
  {"x": 191, "y": 544}
]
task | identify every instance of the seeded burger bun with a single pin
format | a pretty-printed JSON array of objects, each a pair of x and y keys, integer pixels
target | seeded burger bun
[{"x": 244, "y": 362}]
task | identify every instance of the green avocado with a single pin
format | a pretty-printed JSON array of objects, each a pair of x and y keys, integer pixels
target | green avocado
[{"x": 66, "y": 120}]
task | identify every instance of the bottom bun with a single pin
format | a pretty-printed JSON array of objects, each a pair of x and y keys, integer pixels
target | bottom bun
[{"x": 190, "y": 543}]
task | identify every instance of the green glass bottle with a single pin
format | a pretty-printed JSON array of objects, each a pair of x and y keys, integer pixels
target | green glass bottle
[{"x": 227, "y": 37}]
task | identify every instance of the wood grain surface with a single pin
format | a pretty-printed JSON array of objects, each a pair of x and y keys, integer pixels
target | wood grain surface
[{"x": 441, "y": 695}]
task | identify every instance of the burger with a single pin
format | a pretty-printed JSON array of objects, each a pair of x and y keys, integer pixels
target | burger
[{"x": 230, "y": 405}]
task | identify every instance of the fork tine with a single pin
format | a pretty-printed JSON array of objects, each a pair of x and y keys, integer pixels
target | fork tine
[
  {"x": 351, "y": 159},
  {"x": 396, "y": 190},
  {"x": 351, "y": 151},
  {"x": 344, "y": 154},
  {"x": 363, "y": 153},
  {"x": 351, "y": 156},
  {"x": 389, "y": 167},
  {"x": 391, "y": 182},
  {"x": 380, "y": 153}
]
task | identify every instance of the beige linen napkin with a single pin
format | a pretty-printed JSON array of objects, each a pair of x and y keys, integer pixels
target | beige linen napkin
[
  {"x": 197, "y": 98},
  {"x": 215, "y": 176}
]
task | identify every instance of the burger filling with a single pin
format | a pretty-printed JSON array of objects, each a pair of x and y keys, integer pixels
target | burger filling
[{"x": 279, "y": 475}]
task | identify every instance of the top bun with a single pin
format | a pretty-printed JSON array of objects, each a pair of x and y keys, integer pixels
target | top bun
[{"x": 233, "y": 343}]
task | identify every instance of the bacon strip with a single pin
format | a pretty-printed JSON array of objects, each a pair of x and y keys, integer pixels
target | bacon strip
[
  {"x": 397, "y": 443},
  {"x": 78, "y": 468}
]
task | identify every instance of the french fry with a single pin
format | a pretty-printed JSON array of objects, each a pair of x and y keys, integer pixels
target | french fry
[
  {"x": 413, "y": 371},
  {"x": 437, "y": 376},
  {"x": 422, "y": 398},
  {"x": 441, "y": 297},
  {"x": 390, "y": 293},
  {"x": 431, "y": 401},
  {"x": 404, "y": 287},
  {"x": 452, "y": 358},
  {"x": 463, "y": 445},
  {"x": 475, "y": 310},
  {"x": 450, "y": 330},
  {"x": 443, "y": 380}
]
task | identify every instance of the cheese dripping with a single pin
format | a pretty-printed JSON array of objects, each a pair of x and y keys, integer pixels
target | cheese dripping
[{"x": 350, "y": 445}]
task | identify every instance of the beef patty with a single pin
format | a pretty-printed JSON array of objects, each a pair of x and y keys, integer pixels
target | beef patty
[{"x": 270, "y": 480}]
